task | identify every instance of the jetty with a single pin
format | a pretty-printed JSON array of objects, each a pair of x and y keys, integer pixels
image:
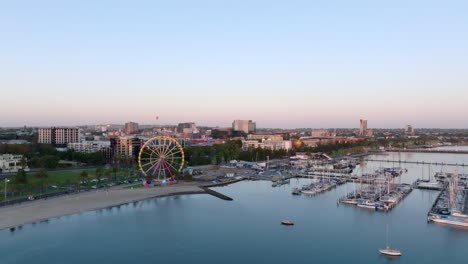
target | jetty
[
  {"x": 418, "y": 162},
  {"x": 217, "y": 194}
]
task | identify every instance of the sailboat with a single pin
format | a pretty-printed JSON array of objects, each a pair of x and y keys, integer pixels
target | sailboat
[
  {"x": 429, "y": 183},
  {"x": 388, "y": 251}
]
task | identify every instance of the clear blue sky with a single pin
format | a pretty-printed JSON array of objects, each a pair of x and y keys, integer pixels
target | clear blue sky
[{"x": 280, "y": 63}]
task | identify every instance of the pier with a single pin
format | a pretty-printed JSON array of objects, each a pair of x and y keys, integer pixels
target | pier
[
  {"x": 217, "y": 194},
  {"x": 429, "y": 151},
  {"x": 418, "y": 162}
]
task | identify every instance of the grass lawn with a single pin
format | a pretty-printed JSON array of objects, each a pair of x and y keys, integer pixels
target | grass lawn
[
  {"x": 61, "y": 177},
  {"x": 57, "y": 177}
]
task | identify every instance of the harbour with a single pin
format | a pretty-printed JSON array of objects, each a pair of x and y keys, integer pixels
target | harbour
[{"x": 320, "y": 225}]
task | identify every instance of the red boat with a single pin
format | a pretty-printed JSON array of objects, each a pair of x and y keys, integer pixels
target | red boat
[{"x": 287, "y": 223}]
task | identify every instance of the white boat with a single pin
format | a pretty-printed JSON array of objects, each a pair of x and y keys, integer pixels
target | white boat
[
  {"x": 367, "y": 204},
  {"x": 429, "y": 185},
  {"x": 349, "y": 201},
  {"x": 448, "y": 221},
  {"x": 388, "y": 251}
]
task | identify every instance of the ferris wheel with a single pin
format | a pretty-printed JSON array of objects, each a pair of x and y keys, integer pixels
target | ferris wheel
[{"x": 160, "y": 158}]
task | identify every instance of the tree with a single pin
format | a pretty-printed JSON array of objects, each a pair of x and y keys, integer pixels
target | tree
[
  {"x": 115, "y": 170},
  {"x": 107, "y": 173},
  {"x": 83, "y": 175},
  {"x": 23, "y": 162},
  {"x": 20, "y": 177},
  {"x": 187, "y": 176},
  {"x": 42, "y": 176},
  {"x": 99, "y": 173},
  {"x": 49, "y": 161}
]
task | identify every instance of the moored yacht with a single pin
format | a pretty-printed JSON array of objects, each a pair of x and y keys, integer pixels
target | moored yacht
[{"x": 388, "y": 251}]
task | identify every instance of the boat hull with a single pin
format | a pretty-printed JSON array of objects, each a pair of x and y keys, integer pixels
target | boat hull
[
  {"x": 390, "y": 252},
  {"x": 449, "y": 222}
]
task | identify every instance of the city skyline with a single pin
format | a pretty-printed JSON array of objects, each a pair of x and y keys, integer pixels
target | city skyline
[{"x": 299, "y": 64}]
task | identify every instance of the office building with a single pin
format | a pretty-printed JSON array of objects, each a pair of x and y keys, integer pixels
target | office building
[
  {"x": 363, "y": 128},
  {"x": 88, "y": 146},
  {"x": 125, "y": 146},
  {"x": 60, "y": 136},
  {"x": 265, "y": 137},
  {"x": 321, "y": 133},
  {"x": 221, "y": 133},
  {"x": 187, "y": 128},
  {"x": 267, "y": 144},
  {"x": 131, "y": 128},
  {"x": 246, "y": 126},
  {"x": 11, "y": 163}
]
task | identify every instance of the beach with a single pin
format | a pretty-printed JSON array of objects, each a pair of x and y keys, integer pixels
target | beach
[{"x": 30, "y": 212}]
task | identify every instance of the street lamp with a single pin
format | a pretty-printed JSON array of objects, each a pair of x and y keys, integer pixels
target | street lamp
[{"x": 6, "y": 180}]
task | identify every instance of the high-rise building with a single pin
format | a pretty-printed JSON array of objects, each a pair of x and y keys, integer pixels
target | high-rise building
[
  {"x": 246, "y": 126},
  {"x": 131, "y": 128},
  {"x": 58, "y": 135},
  {"x": 363, "y": 128},
  {"x": 187, "y": 128},
  {"x": 125, "y": 146},
  {"x": 409, "y": 130}
]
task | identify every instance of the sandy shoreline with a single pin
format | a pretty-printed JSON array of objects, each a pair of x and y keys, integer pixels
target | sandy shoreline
[{"x": 30, "y": 212}]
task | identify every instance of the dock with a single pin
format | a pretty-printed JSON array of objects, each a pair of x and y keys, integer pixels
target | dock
[
  {"x": 217, "y": 194},
  {"x": 430, "y": 151},
  {"x": 417, "y": 162}
]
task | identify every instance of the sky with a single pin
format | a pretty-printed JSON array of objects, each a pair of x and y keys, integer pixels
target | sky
[{"x": 280, "y": 63}]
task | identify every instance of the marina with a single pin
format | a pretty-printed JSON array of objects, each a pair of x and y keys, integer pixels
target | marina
[
  {"x": 451, "y": 206},
  {"x": 377, "y": 191},
  {"x": 319, "y": 185},
  {"x": 254, "y": 200}
]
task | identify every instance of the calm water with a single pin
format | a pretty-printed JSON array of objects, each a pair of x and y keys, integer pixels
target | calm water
[{"x": 205, "y": 229}]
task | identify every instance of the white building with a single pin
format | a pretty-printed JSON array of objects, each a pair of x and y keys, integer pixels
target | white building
[
  {"x": 247, "y": 126},
  {"x": 58, "y": 135},
  {"x": 11, "y": 163},
  {"x": 277, "y": 144},
  {"x": 88, "y": 146},
  {"x": 265, "y": 136},
  {"x": 267, "y": 144},
  {"x": 246, "y": 144}
]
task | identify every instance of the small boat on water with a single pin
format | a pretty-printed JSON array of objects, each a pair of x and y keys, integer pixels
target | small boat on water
[
  {"x": 388, "y": 251},
  {"x": 289, "y": 223}
]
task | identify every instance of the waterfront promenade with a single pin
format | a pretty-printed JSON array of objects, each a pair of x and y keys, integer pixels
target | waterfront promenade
[{"x": 39, "y": 210}]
